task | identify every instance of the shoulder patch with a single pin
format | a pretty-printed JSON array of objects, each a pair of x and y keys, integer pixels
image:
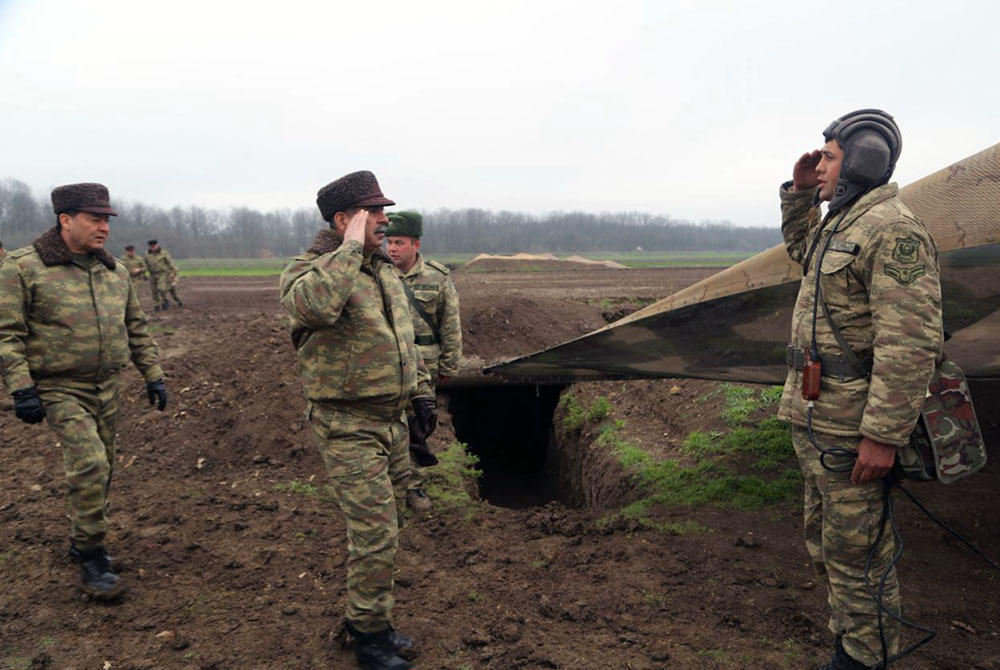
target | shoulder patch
[
  {"x": 440, "y": 267},
  {"x": 906, "y": 250}
]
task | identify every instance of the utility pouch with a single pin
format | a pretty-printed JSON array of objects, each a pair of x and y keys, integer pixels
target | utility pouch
[
  {"x": 811, "y": 373},
  {"x": 946, "y": 443}
]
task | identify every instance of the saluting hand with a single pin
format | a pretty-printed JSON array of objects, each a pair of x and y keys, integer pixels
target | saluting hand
[
  {"x": 804, "y": 171},
  {"x": 356, "y": 226}
]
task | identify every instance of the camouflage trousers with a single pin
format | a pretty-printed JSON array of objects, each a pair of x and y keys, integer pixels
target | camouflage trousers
[
  {"x": 83, "y": 417},
  {"x": 841, "y": 523},
  {"x": 367, "y": 458},
  {"x": 159, "y": 285}
]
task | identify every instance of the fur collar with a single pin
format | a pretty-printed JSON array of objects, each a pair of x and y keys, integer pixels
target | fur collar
[
  {"x": 328, "y": 240},
  {"x": 53, "y": 250}
]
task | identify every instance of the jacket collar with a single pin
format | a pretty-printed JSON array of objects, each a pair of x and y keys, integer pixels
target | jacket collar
[{"x": 53, "y": 250}]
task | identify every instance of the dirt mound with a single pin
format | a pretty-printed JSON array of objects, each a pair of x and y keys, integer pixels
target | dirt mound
[
  {"x": 236, "y": 555},
  {"x": 533, "y": 263}
]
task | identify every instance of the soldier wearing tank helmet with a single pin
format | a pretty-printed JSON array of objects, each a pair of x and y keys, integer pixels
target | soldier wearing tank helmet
[
  {"x": 70, "y": 321},
  {"x": 869, "y": 311},
  {"x": 353, "y": 334}
]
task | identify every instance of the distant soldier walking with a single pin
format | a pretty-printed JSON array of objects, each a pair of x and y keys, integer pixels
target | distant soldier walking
[
  {"x": 135, "y": 264},
  {"x": 436, "y": 322},
  {"x": 352, "y": 331},
  {"x": 70, "y": 321},
  {"x": 162, "y": 276},
  {"x": 866, "y": 332}
]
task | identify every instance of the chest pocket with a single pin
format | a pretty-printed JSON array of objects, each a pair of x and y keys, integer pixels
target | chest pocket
[{"x": 838, "y": 282}]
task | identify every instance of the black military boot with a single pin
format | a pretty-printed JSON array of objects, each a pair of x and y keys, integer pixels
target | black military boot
[
  {"x": 156, "y": 307},
  {"x": 379, "y": 650},
  {"x": 98, "y": 579},
  {"x": 165, "y": 306},
  {"x": 842, "y": 660}
]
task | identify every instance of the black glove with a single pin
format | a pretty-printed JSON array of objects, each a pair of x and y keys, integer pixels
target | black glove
[
  {"x": 425, "y": 408},
  {"x": 419, "y": 450},
  {"x": 157, "y": 393},
  {"x": 28, "y": 405}
]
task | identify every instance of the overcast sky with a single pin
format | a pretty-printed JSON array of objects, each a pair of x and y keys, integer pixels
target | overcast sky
[{"x": 692, "y": 109}]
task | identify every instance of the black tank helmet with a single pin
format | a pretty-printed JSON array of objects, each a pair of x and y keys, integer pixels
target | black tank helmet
[{"x": 871, "y": 142}]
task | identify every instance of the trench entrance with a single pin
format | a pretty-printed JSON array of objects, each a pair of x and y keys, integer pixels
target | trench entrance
[{"x": 509, "y": 427}]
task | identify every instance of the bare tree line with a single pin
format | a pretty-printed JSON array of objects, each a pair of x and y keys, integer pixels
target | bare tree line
[{"x": 241, "y": 232}]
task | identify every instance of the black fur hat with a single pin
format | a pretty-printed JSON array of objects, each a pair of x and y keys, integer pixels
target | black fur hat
[{"x": 358, "y": 189}]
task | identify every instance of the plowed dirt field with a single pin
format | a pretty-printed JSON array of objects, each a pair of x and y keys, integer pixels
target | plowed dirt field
[{"x": 235, "y": 563}]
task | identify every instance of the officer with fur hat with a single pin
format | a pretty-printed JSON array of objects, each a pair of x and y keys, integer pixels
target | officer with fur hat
[
  {"x": 434, "y": 306},
  {"x": 70, "y": 321},
  {"x": 866, "y": 333},
  {"x": 354, "y": 339}
]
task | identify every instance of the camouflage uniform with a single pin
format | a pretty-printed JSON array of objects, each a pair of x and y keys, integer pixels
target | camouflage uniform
[
  {"x": 879, "y": 278},
  {"x": 162, "y": 276},
  {"x": 352, "y": 331},
  {"x": 433, "y": 289},
  {"x": 68, "y": 325},
  {"x": 135, "y": 264}
]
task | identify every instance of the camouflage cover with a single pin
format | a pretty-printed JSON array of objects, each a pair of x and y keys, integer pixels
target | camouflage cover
[
  {"x": 734, "y": 325},
  {"x": 947, "y": 444}
]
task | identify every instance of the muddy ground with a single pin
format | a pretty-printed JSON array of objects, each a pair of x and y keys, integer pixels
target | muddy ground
[{"x": 232, "y": 564}]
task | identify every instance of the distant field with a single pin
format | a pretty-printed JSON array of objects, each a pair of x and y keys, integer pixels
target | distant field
[{"x": 262, "y": 267}]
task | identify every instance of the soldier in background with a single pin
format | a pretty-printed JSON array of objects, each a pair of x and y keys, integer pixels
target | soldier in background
[
  {"x": 436, "y": 322},
  {"x": 162, "y": 276},
  {"x": 135, "y": 265},
  {"x": 353, "y": 334},
  {"x": 70, "y": 321},
  {"x": 872, "y": 264}
]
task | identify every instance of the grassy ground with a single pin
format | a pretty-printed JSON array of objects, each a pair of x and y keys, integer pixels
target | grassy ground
[{"x": 263, "y": 267}]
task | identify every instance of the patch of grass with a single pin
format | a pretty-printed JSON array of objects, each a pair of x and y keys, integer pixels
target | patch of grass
[
  {"x": 743, "y": 401},
  {"x": 714, "y": 654},
  {"x": 309, "y": 490},
  {"x": 577, "y": 415},
  {"x": 448, "y": 483},
  {"x": 231, "y": 267}
]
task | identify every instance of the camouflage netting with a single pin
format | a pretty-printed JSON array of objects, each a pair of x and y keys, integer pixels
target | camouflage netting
[{"x": 735, "y": 325}]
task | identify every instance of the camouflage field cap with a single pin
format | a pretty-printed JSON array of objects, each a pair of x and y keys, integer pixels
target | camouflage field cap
[
  {"x": 358, "y": 189},
  {"x": 87, "y": 197},
  {"x": 407, "y": 223}
]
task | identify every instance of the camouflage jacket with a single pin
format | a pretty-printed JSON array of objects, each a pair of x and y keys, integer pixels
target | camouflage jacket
[
  {"x": 136, "y": 266},
  {"x": 879, "y": 278},
  {"x": 160, "y": 262},
  {"x": 351, "y": 326},
  {"x": 434, "y": 291},
  {"x": 69, "y": 317}
]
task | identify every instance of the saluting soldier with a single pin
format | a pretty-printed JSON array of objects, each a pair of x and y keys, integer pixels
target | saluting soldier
[
  {"x": 70, "y": 321},
  {"x": 353, "y": 334},
  {"x": 135, "y": 264},
  {"x": 868, "y": 315},
  {"x": 162, "y": 276},
  {"x": 436, "y": 322}
]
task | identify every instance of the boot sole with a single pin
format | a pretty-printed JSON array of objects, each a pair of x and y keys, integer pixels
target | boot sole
[{"x": 106, "y": 596}]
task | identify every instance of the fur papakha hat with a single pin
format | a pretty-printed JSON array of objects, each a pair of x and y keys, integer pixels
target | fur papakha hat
[
  {"x": 358, "y": 189},
  {"x": 87, "y": 197},
  {"x": 407, "y": 223}
]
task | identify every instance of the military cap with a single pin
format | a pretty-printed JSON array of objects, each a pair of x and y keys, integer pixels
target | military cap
[
  {"x": 130, "y": 247},
  {"x": 152, "y": 243},
  {"x": 92, "y": 198},
  {"x": 408, "y": 223},
  {"x": 358, "y": 189}
]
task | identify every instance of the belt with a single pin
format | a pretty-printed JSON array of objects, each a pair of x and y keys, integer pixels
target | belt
[
  {"x": 838, "y": 367},
  {"x": 425, "y": 340}
]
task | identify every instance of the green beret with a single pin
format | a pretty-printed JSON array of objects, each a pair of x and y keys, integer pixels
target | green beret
[{"x": 409, "y": 224}]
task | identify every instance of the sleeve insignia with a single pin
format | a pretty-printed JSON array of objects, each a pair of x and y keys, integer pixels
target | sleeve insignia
[
  {"x": 905, "y": 276},
  {"x": 906, "y": 250}
]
